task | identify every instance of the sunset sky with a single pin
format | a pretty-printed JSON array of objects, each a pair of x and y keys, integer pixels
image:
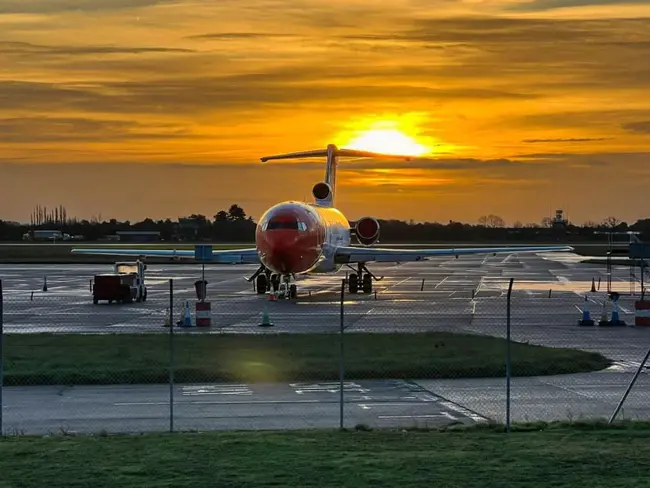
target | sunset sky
[{"x": 135, "y": 108}]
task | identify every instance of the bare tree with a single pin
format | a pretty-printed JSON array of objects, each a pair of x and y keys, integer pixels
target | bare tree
[
  {"x": 491, "y": 221},
  {"x": 612, "y": 222}
]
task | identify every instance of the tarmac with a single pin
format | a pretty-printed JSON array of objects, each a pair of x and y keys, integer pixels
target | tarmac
[{"x": 464, "y": 295}]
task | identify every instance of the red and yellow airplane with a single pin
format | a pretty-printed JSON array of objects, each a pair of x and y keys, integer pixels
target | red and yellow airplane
[{"x": 297, "y": 238}]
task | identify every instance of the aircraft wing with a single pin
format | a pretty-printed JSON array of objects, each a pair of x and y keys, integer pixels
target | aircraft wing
[
  {"x": 234, "y": 256},
  {"x": 382, "y": 255}
]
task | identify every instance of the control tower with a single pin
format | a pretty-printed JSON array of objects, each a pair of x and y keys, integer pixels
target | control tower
[{"x": 559, "y": 221}]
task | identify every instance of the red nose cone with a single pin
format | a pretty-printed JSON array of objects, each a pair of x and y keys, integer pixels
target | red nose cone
[{"x": 288, "y": 240}]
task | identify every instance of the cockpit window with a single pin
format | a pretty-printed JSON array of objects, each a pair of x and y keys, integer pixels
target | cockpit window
[{"x": 283, "y": 223}]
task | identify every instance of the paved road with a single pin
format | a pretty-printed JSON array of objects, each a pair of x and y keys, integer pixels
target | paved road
[
  {"x": 41, "y": 410},
  {"x": 413, "y": 296},
  {"x": 389, "y": 403},
  {"x": 444, "y": 303}
]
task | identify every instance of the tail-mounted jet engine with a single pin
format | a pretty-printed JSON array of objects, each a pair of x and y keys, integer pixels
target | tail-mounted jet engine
[
  {"x": 321, "y": 191},
  {"x": 367, "y": 231}
]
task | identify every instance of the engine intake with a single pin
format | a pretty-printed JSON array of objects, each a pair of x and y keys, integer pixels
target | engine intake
[
  {"x": 321, "y": 191},
  {"x": 367, "y": 231}
]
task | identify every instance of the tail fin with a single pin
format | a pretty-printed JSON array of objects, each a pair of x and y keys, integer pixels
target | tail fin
[{"x": 324, "y": 195}]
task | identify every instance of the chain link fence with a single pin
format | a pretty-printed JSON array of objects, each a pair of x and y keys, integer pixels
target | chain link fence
[{"x": 411, "y": 353}]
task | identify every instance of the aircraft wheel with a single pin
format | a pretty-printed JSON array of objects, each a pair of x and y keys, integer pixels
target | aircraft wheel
[
  {"x": 262, "y": 285},
  {"x": 353, "y": 283},
  {"x": 367, "y": 283},
  {"x": 293, "y": 291}
]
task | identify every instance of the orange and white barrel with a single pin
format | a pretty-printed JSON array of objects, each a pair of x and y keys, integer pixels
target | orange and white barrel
[
  {"x": 642, "y": 312},
  {"x": 203, "y": 314}
]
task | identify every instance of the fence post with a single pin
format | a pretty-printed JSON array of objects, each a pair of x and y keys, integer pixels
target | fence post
[
  {"x": 629, "y": 388},
  {"x": 2, "y": 358},
  {"x": 171, "y": 355},
  {"x": 341, "y": 361},
  {"x": 508, "y": 357}
]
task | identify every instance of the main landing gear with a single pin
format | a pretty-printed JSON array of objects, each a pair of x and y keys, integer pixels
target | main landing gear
[
  {"x": 266, "y": 281},
  {"x": 362, "y": 280}
]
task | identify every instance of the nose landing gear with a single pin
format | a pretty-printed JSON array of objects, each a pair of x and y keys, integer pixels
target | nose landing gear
[{"x": 281, "y": 285}]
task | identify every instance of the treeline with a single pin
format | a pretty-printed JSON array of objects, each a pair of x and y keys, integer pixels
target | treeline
[{"x": 234, "y": 225}]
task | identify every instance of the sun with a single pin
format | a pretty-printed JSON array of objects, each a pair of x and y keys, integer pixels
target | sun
[
  {"x": 388, "y": 141},
  {"x": 388, "y": 135}
]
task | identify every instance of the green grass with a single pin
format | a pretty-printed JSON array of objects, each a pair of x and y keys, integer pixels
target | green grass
[
  {"x": 121, "y": 358},
  {"x": 60, "y": 253},
  {"x": 561, "y": 456}
]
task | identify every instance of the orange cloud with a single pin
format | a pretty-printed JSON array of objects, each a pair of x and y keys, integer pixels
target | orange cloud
[{"x": 518, "y": 100}]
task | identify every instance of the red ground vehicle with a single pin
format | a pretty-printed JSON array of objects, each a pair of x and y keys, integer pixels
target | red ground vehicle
[{"x": 125, "y": 285}]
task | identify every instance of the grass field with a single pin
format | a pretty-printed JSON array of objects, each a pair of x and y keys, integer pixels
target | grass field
[
  {"x": 32, "y": 359},
  {"x": 562, "y": 456},
  {"x": 60, "y": 253}
]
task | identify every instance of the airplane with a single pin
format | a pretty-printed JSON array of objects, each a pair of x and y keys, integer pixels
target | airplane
[{"x": 298, "y": 238}]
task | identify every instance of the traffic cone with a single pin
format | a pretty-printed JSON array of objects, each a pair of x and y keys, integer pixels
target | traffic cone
[
  {"x": 266, "y": 320},
  {"x": 187, "y": 318},
  {"x": 273, "y": 296},
  {"x": 615, "y": 317},
  {"x": 593, "y": 285},
  {"x": 586, "y": 317},
  {"x": 45, "y": 283}
]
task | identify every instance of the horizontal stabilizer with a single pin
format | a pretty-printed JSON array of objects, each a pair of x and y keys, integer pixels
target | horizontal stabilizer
[{"x": 350, "y": 153}]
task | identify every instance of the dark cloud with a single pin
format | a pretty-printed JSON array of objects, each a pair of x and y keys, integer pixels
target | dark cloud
[
  {"x": 60, "y": 6},
  {"x": 543, "y": 5},
  {"x": 223, "y": 36},
  {"x": 214, "y": 93},
  {"x": 471, "y": 30},
  {"x": 26, "y": 48},
  {"x": 581, "y": 119},
  {"x": 40, "y": 129},
  {"x": 641, "y": 127},
  {"x": 576, "y": 139},
  {"x": 571, "y": 53}
]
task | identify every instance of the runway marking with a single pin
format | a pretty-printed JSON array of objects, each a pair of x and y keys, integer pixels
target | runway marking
[
  {"x": 463, "y": 411},
  {"x": 216, "y": 390},
  {"x": 213, "y": 402},
  {"x": 567, "y": 389},
  {"x": 442, "y": 281},
  {"x": 328, "y": 387},
  {"x": 433, "y": 415}
]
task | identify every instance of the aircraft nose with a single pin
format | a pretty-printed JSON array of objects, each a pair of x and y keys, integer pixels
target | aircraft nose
[{"x": 286, "y": 244}]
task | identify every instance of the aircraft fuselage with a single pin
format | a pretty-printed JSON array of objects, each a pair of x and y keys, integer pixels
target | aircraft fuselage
[{"x": 297, "y": 238}]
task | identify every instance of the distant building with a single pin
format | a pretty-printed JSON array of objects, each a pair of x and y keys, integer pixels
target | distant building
[
  {"x": 559, "y": 222},
  {"x": 138, "y": 236}
]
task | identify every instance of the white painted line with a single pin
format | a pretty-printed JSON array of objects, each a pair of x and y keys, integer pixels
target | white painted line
[
  {"x": 435, "y": 415},
  {"x": 442, "y": 281},
  {"x": 260, "y": 402},
  {"x": 393, "y": 404},
  {"x": 463, "y": 411}
]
